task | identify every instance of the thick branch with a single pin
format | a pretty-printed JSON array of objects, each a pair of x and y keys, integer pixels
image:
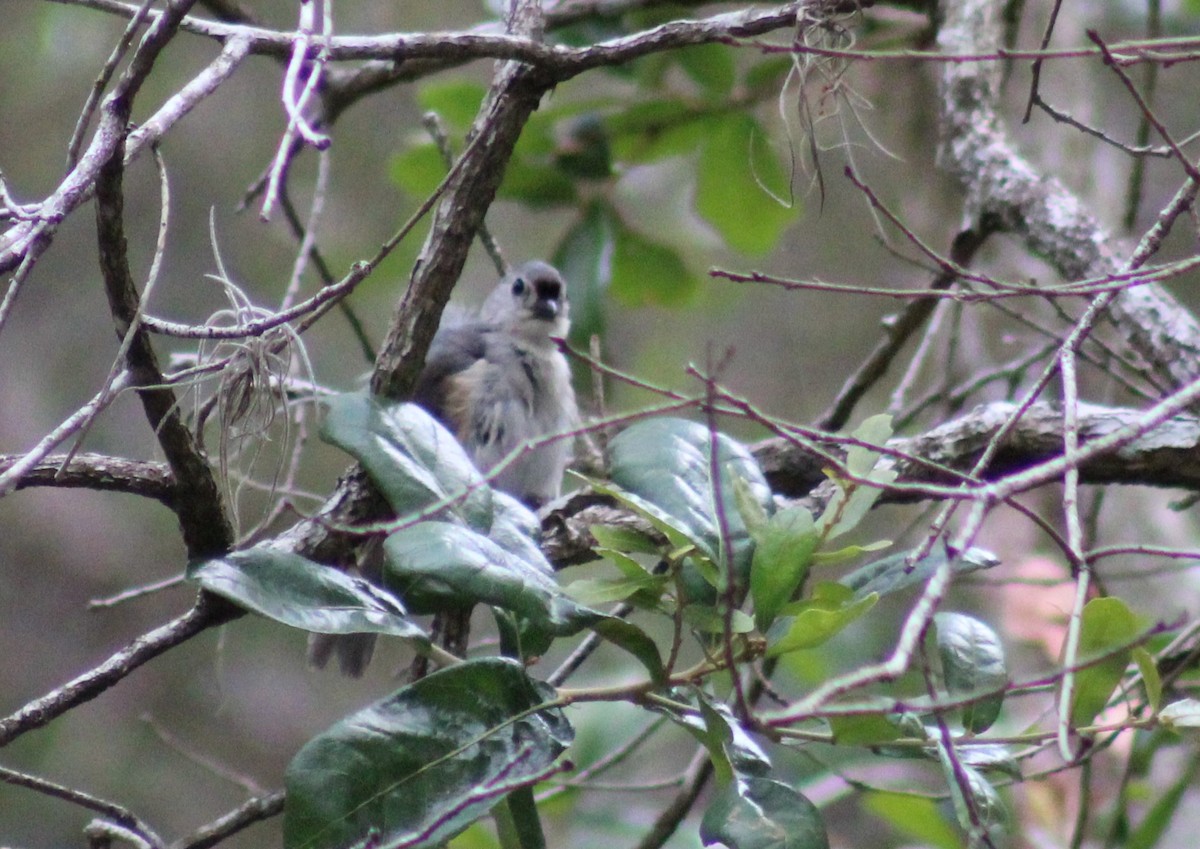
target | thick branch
[
  {"x": 1005, "y": 191},
  {"x": 1166, "y": 456},
  {"x": 99, "y": 472}
]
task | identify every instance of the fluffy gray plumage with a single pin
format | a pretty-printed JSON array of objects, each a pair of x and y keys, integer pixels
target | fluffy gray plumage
[{"x": 499, "y": 381}]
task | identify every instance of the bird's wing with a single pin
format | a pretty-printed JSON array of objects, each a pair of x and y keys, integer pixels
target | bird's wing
[{"x": 453, "y": 350}]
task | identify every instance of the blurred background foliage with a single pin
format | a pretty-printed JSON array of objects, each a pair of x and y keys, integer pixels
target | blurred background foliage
[{"x": 634, "y": 180}]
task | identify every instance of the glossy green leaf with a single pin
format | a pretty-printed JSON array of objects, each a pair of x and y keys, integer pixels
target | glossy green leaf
[
  {"x": 298, "y": 592},
  {"x": 456, "y": 101},
  {"x": 893, "y": 573},
  {"x": 409, "y": 455},
  {"x": 1107, "y": 631},
  {"x": 434, "y": 565},
  {"x": 709, "y": 65},
  {"x": 782, "y": 555},
  {"x": 972, "y": 662},
  {"x": 584, "y": 256},
  {"x": 665, "y": 461},
  {"x": 978, "y": 806},
  {"x": 916, "y": 816},
  {"x": 816, "y": 619},
  {"x": 991, "y": 756},
  {"x": 713, "y": 725},
  {"x": 1182, "y": 715},
  {"x": 418, "y": 170},
  {"x": 424, "y": 763},
  {"x": 760, "y": 813},
  {"x": 736, "y": 162},
  {"x": 646, "y": 273}
]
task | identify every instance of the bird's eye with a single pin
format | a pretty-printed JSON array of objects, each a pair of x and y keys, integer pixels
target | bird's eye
[{"x": 518, "y": 286}]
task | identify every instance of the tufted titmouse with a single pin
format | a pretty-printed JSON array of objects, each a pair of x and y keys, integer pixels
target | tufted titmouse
[
  {"x": 500, "y": 380},
  {"x": 496, "y": 381}
]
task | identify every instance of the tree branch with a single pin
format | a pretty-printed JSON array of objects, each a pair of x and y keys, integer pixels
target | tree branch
[{"x": 1006, "y": 191}]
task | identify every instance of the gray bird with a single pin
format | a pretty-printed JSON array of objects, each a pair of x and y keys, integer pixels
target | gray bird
[
  {"x": 497, "y": 381},
  {"x": 500, "y": 381}
]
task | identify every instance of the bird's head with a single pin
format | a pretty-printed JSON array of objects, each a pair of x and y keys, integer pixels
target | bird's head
[{"x": 531, "y": 301}]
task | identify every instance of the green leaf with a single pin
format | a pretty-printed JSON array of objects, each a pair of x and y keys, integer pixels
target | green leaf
[
  {"x": 621, "y": 539},
  {"x": 830, "y": 609},
  {"x": 915, "y": 816},
  {"x": 972, "y": 662},
  {"x": 849, "y": 552},
  {"x": 1180, "y": 716},
  {"x": 1107, "y": 630},
  {"x": 537, "y": 184},
  {"x": 865, "y": 729},
  {"x": 713, "y": 725},
  {"x": 424, "y": 763},
  {"x": 665, "y": 461},
  {"x": 754, "y": 514},
  {"x": 978, "y": 806},
  {"x": 1161, "y": 814},
  {"x": 711, "y": 620},
  {"x": 991, "y": 756},
  {"x": 781, "y": 559},
  {"x": 760, "y": 813},
  {"x": 434, "y": 565},
  {"x": 853, "y": 500},
  {"x": 584, "y": 256},
  {"x": 656, "y": 129},
  {"x": 1151, "y": 680},
  {"x": 418, "y": 170},
  {"x": 298, "y": 592},
  {"x": 736, "y": 162},
  {"x": 710, "y": 65},
  {"x": 893, "y": 573},
  {"x": 581, "y": 147},
  {"x": 409, "y": 455},
  {"x": 593, "y": 591},
  {"x": 456, "y": 101},
  {"x": 646, "y": 273},
  {"x": 875, "y": 430}
]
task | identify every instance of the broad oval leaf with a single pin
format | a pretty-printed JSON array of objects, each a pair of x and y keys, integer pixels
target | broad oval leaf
[
  {"x": 761, "y": 813},
  {"x": 421, "y": 765},
  {"x": 665, "y": 461},
  {"x": 647, "y": 273},
  {"x": 916, "y": 816},
  {"x": 818, "y": 618},
  {"x": 1108, "y": 630},
  {"x": 972, "y": 662},
  {"x": 782, "y": 554},
  {"x": 895, "y": 572},
  {"x": 409, "y": 455},
  {"x": 434, "y": 565},
  {"x": 737, "y": 175},
  {"x": 298, "y": 592}
]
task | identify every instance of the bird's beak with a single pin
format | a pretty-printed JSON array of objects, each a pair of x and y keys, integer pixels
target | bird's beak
[{"x": 547, "y": 309}]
